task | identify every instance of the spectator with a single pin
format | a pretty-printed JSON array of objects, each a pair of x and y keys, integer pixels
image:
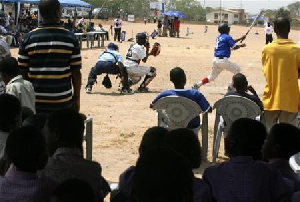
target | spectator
[
  {"x": 240, "y": 84},
  {"x": 163, "y": 175},
  {"x": 269, "y": 32},
  {"x": 178, "y": 78},
  {"x": 185, "y": 142},
  {"x": 64, "y": 141},
  {"x": 165, "y": 26},
  {"x": 15, "y": 84},
  {"x": 54, "y": 66},
  {"x": 117, "y": 27},
  {"x": 36, "y": 120},
  {"x": 10, "y": 118},
  {"x": 176, "y": 27},
  {"x": 26, "y": 149},
  {"x": 280, "y": 145},
  {"x": 73, "y": 190},
  {"x": 281, "y": 82},
  {"x": 244, "y": 177},
  {"x": 159, "y": 26}
]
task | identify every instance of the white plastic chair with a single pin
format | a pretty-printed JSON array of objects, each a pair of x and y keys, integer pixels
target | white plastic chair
[
  {"x": 231, "y": 108},
  {"x": 295, "y": 163},
  {"x": 88, "y": 137},
  {"x": 176, "y": 112}
]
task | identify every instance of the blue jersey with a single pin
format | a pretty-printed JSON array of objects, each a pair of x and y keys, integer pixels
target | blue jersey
[
  {"x": 224, "y": 43},
  {"x": 191, "y": 94}
]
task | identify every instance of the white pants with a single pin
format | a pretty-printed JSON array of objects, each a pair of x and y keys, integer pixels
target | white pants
[
  {"x": 136, "y": 72},
  {"x": 219, "y": 65}
]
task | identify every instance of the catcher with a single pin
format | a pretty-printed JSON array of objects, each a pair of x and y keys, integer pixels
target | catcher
[
  {"x": 137, "y": 52},
  {"x": 110, "y": 62}
]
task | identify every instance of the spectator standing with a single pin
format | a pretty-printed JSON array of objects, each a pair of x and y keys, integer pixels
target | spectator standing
[
  {"x": 117, "y": 27},
  {"x": 176, "y": 27},
  {"x": 4, "y": 52},
  {"x": 165, "y": 26},
  {"x": 49, "y": 57},
  {"x": 269, "y": 32},
  {"x": 281, "y": 64},
  {"x": 159, "y": 26}
]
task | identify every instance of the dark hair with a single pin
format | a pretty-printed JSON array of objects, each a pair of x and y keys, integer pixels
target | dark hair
[
  {"x": 26, "y": 112},
  {"x": 163, "y": 175},
  {"x": 245, "y": 138},
  {"x": 10, "y": 110},
  {"x": 282, "y": 26},
  {"x": 9, "y": 66},
  {"x": 152, "y": 138},
  {"x": 283, "y": 141},
  {"x": 73, "y": 190},
  {"x": 26, "y": 149},
  {"x": 69, "y": 124},
  {"x": 185, "y": 142},
  {"x": 240, "y": 81},
  {"x": 177, "y": 76},
  {"x": 49, "y": 9},
  {"x": 36, "y": 120}
]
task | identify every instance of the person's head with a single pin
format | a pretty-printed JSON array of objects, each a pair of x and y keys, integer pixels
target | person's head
[
  {"x": 283, "y": 141},
  {"x": 52, "y": 14},
  {"x": 162, "y": 175},
  {"x": 185, "y": 142},
  {"x": 10, "y": 112},
  {"x": 26, "y": 112},
  {"x": 282, "y": 27},
  {"x": 73, "y": 190},
  {"x": 64, "y": 128},
  {"x": 141, "y": 38},
  {"x": 9, "y": 68},
  {"x": 178, "y": 77},
  {"x": 26, "y": 149},
  {"x": 118, "y": 16},
  {"x": 100, "y": 25},
  {"x": 245, "y": 138},
  {"x": 112, "y": 46},
  {"x": 36, "y": 120},
  {"x": 223, "y": 28},
  {"x": 152, "y": 138},
  {"x": 240, "y": 82},
  {"x": 269, "y": 24}
]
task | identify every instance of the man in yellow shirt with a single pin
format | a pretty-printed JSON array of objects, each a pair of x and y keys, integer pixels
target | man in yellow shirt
[{"x": 281, "y": 64}]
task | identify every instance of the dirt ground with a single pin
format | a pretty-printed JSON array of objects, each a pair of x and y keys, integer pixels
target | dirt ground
[{"x": 121, "y": 120}]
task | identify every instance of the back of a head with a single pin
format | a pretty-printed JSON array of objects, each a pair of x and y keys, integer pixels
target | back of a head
[
  {"x": 152, "y": 138},
  {"x": 245, "y": 138},
  {"x": 223, "y": 28},
  {"x": 112, "y": 46},
  {"x": 240, "y": 81},
  {"x": 141, "y": 38},
  {"x": 73, "y": 190},
  {"x": 69, "y": 124},
  {"x": 9, "y": 66},
  {"x": 185, "y": 142},
  {"x": 26, "y": 149},
  {"x": 162, "y": 175},
  {"x": 36, "y": 120},
  {"x": 283, "y": 141},
  {"x": 26, "y": 112},
  {"x": 282, "y": 26},
  {"x": 49, "y": 8},
  {"x": 10, "y": 112},
  {"x": 177, "y": 76}
]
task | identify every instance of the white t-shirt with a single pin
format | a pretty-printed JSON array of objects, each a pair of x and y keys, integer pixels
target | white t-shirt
[
  {"x": 269, "y": 30},
  {"x": 135, "y": 53},
  {"x": 117, "y": 23}
]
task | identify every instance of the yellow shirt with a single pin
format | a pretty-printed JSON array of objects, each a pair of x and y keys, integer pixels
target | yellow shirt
[{"x": 281, "y": 61}]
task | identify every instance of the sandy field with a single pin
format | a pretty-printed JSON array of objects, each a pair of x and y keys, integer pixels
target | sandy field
[{"x": 121, "y": 120}]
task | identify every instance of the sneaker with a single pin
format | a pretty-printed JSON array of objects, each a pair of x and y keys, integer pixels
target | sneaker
[
  {"x": 126, "y": 92},
  {"x": 88, "y": 89},
  {"x": 143, "y": 89}
]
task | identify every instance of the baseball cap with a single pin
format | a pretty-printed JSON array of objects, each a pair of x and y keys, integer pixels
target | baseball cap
[{"x": 112, "y": 46}]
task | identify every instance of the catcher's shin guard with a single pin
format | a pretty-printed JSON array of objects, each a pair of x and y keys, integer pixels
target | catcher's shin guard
[{"x": 149, "y": 77}]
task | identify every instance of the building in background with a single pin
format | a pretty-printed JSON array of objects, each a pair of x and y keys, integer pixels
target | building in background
[{"x": 229, "y": 16}]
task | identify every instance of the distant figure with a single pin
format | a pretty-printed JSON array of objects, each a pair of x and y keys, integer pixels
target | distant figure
[
  {"x": 165, "y": 26},
  {"x": 205, "y": 29},
  {"x": 176, "y": 24},
  {"x": 269, "y": 32},
  {"x": 145, "y": 20},
  {"x": 118, "y": 26},
  {"x": 159, "y": 26}
]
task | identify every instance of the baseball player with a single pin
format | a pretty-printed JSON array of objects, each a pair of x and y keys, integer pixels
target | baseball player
[
  {"x": 224, "y": 44},
  {"x": 110, "y": 62},
  {"x": 137, "y": 52}
]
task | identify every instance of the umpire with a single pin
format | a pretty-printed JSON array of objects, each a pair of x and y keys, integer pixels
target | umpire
[{"x": 110, "y": 62}]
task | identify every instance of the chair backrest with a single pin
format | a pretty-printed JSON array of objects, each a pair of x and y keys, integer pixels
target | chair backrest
[
  {"x": 234, "y": 107},
  {"x": 175, "y": 111}
]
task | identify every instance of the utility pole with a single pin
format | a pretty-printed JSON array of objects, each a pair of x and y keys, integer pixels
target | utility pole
[{"x": 220, "y": 11}]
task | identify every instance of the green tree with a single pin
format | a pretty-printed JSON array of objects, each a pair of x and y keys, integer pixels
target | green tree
[
  {"x": 282, "y": 12},
  {"x": 294, "y": 9}
]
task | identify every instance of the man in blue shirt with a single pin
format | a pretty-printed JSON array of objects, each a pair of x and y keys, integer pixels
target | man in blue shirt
[
  {"x": 110, "y": 61},
  {"x": 224, "y": 44},
  {"x": 178, "y": 77}
]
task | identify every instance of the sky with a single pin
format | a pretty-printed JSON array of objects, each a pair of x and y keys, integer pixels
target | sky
[{"x": 250, "y": 6}]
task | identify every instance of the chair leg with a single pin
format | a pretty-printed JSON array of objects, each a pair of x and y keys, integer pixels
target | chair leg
[
  {"x": 217, "y": 142},
  {"x": 89, "y": 139}
]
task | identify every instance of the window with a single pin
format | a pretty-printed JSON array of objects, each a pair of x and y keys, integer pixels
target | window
[
  {"x": 226, "y": 16},
  {"x": 216, "y": 15},
  {"x": 235, "y": 15}
]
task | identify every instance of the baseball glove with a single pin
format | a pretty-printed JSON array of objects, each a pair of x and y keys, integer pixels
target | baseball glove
[
  {"x": 106, "y": 82},
  {"x": 155, "y": 49}
]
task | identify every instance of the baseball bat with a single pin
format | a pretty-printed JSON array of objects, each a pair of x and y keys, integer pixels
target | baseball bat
[{"x": 254, "y": 22}]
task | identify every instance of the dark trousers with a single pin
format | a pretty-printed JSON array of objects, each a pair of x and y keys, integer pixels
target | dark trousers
[
  {"x": 269, "y": 38},
  {"x": 117, "y": 34}
]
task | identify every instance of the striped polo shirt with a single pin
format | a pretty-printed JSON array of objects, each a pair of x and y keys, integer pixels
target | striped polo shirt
[{"x": 49, "y": 54}]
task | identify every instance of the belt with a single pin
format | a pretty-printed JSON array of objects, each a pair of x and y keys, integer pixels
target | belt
[
  {"x": 221, "y": 57},
  {"x": 132, "y": 60}
]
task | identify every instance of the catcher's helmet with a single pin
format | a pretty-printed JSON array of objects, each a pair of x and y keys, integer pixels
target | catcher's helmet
[
  {"x": 112, "y": 46},
  {"x": 141, "y": 38},
  {"x": 223, "y": 28}
]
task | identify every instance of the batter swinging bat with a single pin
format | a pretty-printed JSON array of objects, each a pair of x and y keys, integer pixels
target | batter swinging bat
[{"x": 254, "y": 22}]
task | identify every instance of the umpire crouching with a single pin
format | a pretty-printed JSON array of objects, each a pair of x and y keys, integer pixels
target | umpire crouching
[{"x": 110, "y": 62}]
